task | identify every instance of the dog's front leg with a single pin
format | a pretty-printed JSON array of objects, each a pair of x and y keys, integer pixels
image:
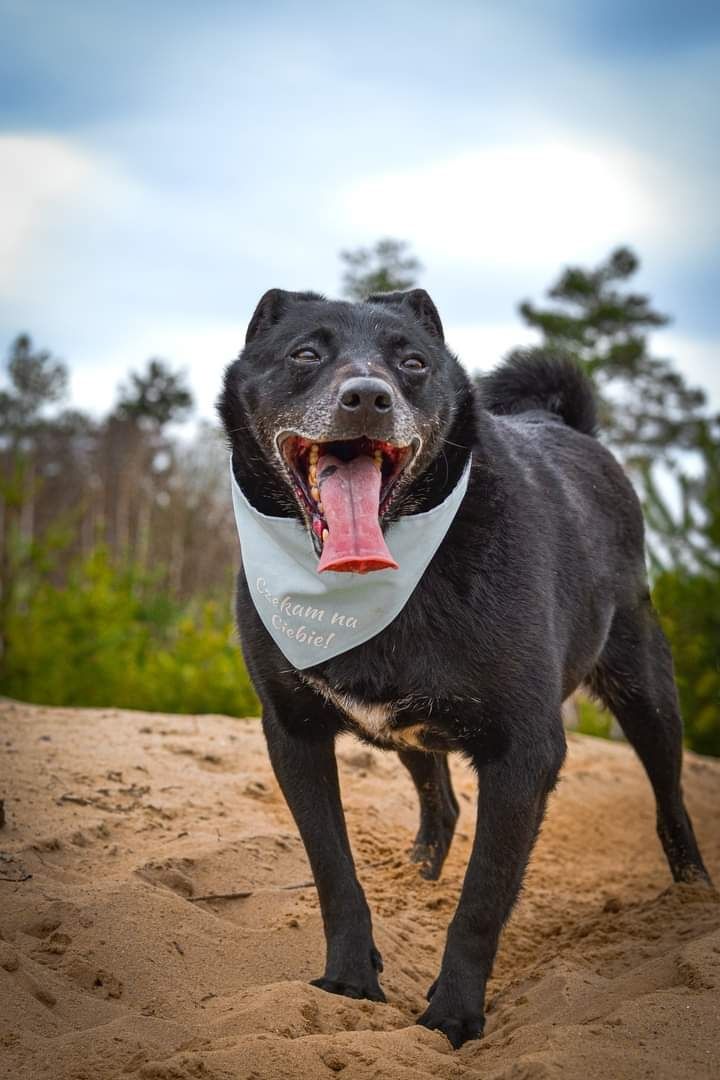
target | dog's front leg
[
  {"x": 307, "y": 773},
  {"x": 511, "y": 803}
]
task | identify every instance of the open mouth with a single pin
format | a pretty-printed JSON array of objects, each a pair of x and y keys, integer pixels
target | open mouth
[{"x": 344, "y": 488}]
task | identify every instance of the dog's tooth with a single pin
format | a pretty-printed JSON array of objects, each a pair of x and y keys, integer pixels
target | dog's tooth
[
  {"x": 312, "y": 475},
  {"x": 320, "y": 507},
  {"x": 377, "y": 459},
  {"x": 326, "y": 533},
  {"x": 315, "y": 494}
]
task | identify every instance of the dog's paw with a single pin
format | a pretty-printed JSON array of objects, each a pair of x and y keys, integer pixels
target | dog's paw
[
  {"x": 459, "y": 1019},
  {"x": 431, "y": 859},
  {"x": 368, "y": 988},
  {"x": 432, "y": 845},
  {"x": 352, "y": 979},
  {"x": 456, "y": 1026}
]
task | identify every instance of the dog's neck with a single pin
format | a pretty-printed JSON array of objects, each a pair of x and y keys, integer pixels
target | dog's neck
[
  {"x": 436, "y": 482},
  {"x": 260, "y": 481}
]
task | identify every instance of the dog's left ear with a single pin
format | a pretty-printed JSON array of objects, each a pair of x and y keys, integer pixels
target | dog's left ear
[
  {"x": 271, "y": 308},
  {"x": 418, "y": 302}
]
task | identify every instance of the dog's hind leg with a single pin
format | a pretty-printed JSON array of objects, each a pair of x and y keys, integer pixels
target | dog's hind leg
[
  {"x": 438, "y": 809},
  {"x": 307, "y": 773},
  {"x": 634, "y": 679}
]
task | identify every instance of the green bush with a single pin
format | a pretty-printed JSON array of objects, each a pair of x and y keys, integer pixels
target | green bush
[
  {"x": 110, "y": 636},
  {"x": 593, "y": 719},
  {"x": 689, "y": 608}
]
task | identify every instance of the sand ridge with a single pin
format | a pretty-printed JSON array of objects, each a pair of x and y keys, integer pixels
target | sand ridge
[{"x": 158, "y": 920}]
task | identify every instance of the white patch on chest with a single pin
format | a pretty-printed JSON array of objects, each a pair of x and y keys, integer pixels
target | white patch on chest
[
  {"x": 375, "y": 720},
  {"x": 372, "y": 718}
]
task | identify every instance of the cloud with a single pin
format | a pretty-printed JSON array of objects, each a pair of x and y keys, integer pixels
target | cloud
[
  {"x": 198, "y": 162},
  {"x": 517, "y": 204},
  {"x": 42, "y": 178},
  {"x": 202, "y": 348},
  {"x": 697, "y": 357},
  {"x": 480, "y": 346}
]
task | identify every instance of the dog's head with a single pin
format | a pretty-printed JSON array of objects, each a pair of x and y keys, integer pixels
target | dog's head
[{"x": 347, "y": 415}]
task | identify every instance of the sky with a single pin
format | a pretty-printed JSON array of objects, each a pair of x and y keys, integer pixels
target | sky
[{"x": 162, "y": 165}]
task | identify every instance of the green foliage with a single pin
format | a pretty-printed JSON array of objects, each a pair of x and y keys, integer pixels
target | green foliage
[
  {"x": 685, "y": 554},
  {"x": 689, "y": 608},
  {"x": 111, "y": 637},
  {"x": 647, "y": 409},
  {"x": 593, "y": 720},
  {"x": 157, "y": 396},
  {"x": 652, "y": 416},
  {"x": 383, "y": 268},
  {"x": 35, "y": 380},
  {"x": 689, "y": 536}
]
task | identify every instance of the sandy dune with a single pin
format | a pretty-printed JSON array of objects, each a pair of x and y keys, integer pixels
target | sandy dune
[{"x": 156, "y": 919}]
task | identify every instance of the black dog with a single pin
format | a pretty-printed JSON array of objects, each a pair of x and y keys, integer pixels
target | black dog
[{"x": 538, "y": 587}]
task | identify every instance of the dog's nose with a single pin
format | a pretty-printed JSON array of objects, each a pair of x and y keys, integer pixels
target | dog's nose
[{"x": 366, "y": 395}]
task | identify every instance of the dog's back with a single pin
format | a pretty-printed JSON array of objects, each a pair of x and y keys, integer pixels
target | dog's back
[{"x": 568, "y": 488}]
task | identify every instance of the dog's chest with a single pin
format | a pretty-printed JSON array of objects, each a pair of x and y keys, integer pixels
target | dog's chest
[{"x": 379, "y": 722}]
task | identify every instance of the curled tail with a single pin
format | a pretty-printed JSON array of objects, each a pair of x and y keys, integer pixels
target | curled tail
[{"x": 531, "y": 379}]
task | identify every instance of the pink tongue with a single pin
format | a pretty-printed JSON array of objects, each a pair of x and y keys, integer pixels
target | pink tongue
[{"x": 350, "y": 494}]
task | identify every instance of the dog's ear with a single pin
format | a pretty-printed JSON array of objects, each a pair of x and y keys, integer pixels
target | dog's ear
[
  {"x": 419, "y": 303},
  {"x": 272, "y": 307}
]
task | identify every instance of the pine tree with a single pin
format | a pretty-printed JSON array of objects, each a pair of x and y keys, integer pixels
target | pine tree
[
  {"x": 652, "y": 416},
  {"x": 36, "y": 379},
  {"x": 387, "y": 266},
  {"x": 156, "y": 396},
  {"x": 687, "y": 590},
  {"x": 648, "y": 411}
]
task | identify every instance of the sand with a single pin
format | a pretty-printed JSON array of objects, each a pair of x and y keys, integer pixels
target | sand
[{"x": 157, "y": 920}]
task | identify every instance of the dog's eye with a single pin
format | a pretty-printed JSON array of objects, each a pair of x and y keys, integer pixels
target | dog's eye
[
  {"x": 413, "y": 363},
  {"x": 305, "y": 355}
]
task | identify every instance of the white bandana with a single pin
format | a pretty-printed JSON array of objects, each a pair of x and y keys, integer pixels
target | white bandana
[{"x": 313, "y": 617}]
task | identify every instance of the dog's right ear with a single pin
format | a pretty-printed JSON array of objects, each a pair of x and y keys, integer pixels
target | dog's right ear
[
  {"x": 419, "y": 303},
  {"x": 272, "y": 307}
]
